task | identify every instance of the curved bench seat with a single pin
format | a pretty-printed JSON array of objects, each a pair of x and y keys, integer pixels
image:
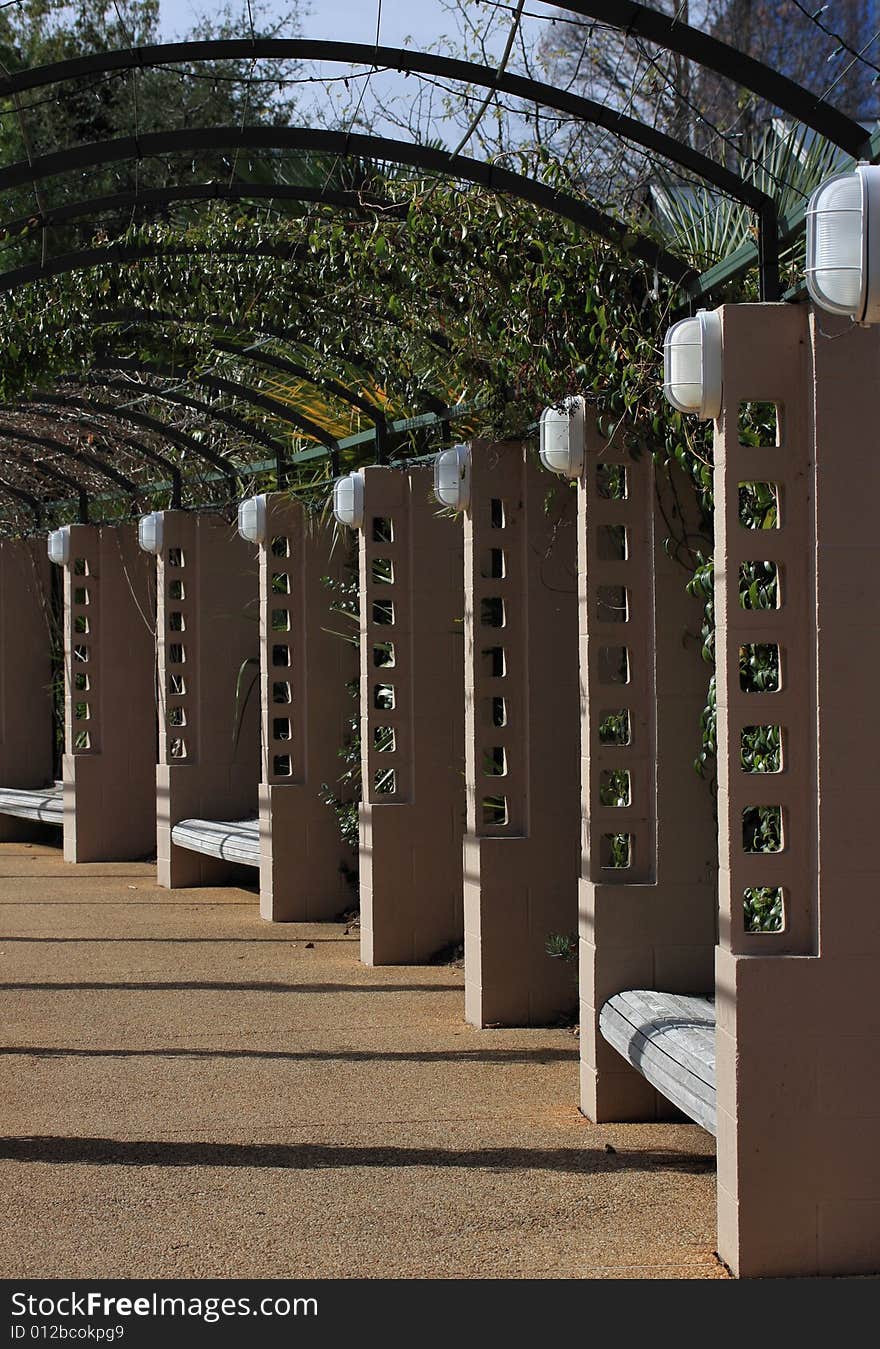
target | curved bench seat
[
  {"x": 670, "y": 1039},
  {"x": 43, "y": 805},
  {"x": 230, "y": 840}
]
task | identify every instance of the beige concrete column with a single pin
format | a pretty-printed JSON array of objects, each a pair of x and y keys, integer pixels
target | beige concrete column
[
  {"x": 307, "y": 658},
  {"x": 110, "y": 697},
  {"x": 798, "y": 1014},
  {"x": 207, "y": 628},
  {"x": 521, "y": 700},
  {"x": 412, "y": 720},
  {"x": 647, "y": 892},
  {"x": 26, "y": 703}
]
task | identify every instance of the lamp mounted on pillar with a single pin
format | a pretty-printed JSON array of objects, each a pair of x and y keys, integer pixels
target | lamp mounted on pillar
[
  {"x": 452, "y": 477},
  {"x": 562, "y": 437},
  {"x": 252, "y": 518},
  {"x": 843, "y": 244},
  {"x": 692, "y": 376},
  {"x": 58, "y": 546},
  {"x": 151, "y": 529},
  {"x": 348, "y": 500}
]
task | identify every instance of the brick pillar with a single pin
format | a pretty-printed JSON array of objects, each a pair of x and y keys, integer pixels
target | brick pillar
[
  {"x": 412, "y": 721},
  {"x": 109, "y": 697},
  {"x": 207, "y": 627},
  {"x": 647, "y": 892},
  {"x": 521, "y": 701},
  {"x": 26, "y": 704},
  {"x": 307, "y": 657},
  {"x": 797, "y": 1007}
]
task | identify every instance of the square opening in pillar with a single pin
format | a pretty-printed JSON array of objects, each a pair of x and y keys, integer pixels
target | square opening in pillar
[
  {"x": 759, "y": 505},
  {"x": 280, "y": 728},
  {"x": 614, "y": 727},
  {"x": 612, "y": 544},
  {"x": 615, "y": 852},
  {"x": 280, "y": 546},
  {"x": 760, "y": 668},
  {"x": 280, "y": 691},
  {"x": 176, "y": 716},
  {"x": 81, "y": 682},
  {"x": 280, "y": 620},
  {"x": 759, "y": 586},
  {"x": 612, "y": 604},
  {"x": 383, "y": 654},
  {"x": 611, "y": 482},
  {"x": 385, "y": 782},
  {"x": 281, "y": 767},
  {"x": 176, "y": 621},
  {"x": 760, "y": 424},
  {"x": 383, "y": 612},
  {"x": 80, "y": 595},
  {"x": 176, "y": 653},
  {"x": 762, "y": 829},
  {"x": 495, "y": 811},
  {"x": 176, "y": 684},
  {"x": 494, "y": 566},
  {"x": 177, "y": 749},
  {"x": 613, "y": 665},
  {"x": 760, "y": 749},
  {"x": 384, "y": 739},
  {"x": 615, "y": 787},
  {"x": 383, "y": 529},
  {"x": 280, "y": 583},
  {"x": 764, "y": 909},
  {"x": 494, "y": 662},
  {"x": 383, "y": 697},
  {"x": 280, "y": 654},
  {"x": 80, "y": 566},
  {"x": 82, "y": 740},
  {"x": 176, "y": 558},
  {"x": 496, "y": 711},
  {"x": 81, "y": 652},
  {"x": 81, "y": 624},
  {"x": 496, "y": 513},
  {"x": 492, "y": 612},
  {"x": 382, "y": 571},
  {"x": 82, "y": 712},
  {"x": 495, "y": 762},
  {"x": 176, "y": 589}
]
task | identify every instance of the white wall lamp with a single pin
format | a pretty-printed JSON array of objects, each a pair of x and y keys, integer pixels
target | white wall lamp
[
  {"x": 562, "y": 438},
  {"x": 252, "y": 517},
  {"x": 692, "y": 365},
  {"x": 348, "y": 500},
  {"x": 58, "y": 546},
  {"x": 452, "y": 477},
  {"x": 151, "y": 531},
  {"x": 843, "y": 244}
]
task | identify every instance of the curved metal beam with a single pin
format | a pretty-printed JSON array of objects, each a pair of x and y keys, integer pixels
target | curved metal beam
[
  {"x": 560, "y": 100},
  {"x": 489, "y": 176},
  {"x": 53, "y": 474},
  {"x": 30, "y": 501},
  {"x": 70, "y": 452},
  {"x": 147, "y": 423}
]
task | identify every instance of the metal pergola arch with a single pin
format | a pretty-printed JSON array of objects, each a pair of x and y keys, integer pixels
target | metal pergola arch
[
  {"x": 52, "y": 473},
  {"x": 71, "y": 452}
]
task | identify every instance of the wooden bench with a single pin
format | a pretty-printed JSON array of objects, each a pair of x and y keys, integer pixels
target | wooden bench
[
  {"x": 43, "y": 805},
  {"x": 230, "y": 840},
  {"x": 670, "y": 1039}
]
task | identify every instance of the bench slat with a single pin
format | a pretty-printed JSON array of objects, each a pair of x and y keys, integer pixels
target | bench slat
[
  {"x": 230, "y": 840},
  {"x": 43, "y": 805}
]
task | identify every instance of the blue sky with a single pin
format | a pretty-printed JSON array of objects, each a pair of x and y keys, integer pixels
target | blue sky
[{"x": 352, "y": 20}]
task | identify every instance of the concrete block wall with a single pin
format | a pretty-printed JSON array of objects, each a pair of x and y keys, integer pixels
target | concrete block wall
[
  {"x": 207, "y": 628},
  {"x": 26, "y": 702},
  {"x": 412, "y": 720},
  {"x": 307, "y": 659},
  {"x": 521, "y": 703},
  {"x": 110, "y": 697}
]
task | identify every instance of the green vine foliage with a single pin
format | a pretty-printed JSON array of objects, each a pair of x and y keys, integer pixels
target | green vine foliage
[{"x": 448, "y": 294}]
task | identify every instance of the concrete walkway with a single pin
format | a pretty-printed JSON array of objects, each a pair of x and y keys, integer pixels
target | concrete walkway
[{"x": 190, "y": 1092}]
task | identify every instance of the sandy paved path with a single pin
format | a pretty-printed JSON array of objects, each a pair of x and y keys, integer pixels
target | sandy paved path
[{"x": 190, "y": 1092}]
